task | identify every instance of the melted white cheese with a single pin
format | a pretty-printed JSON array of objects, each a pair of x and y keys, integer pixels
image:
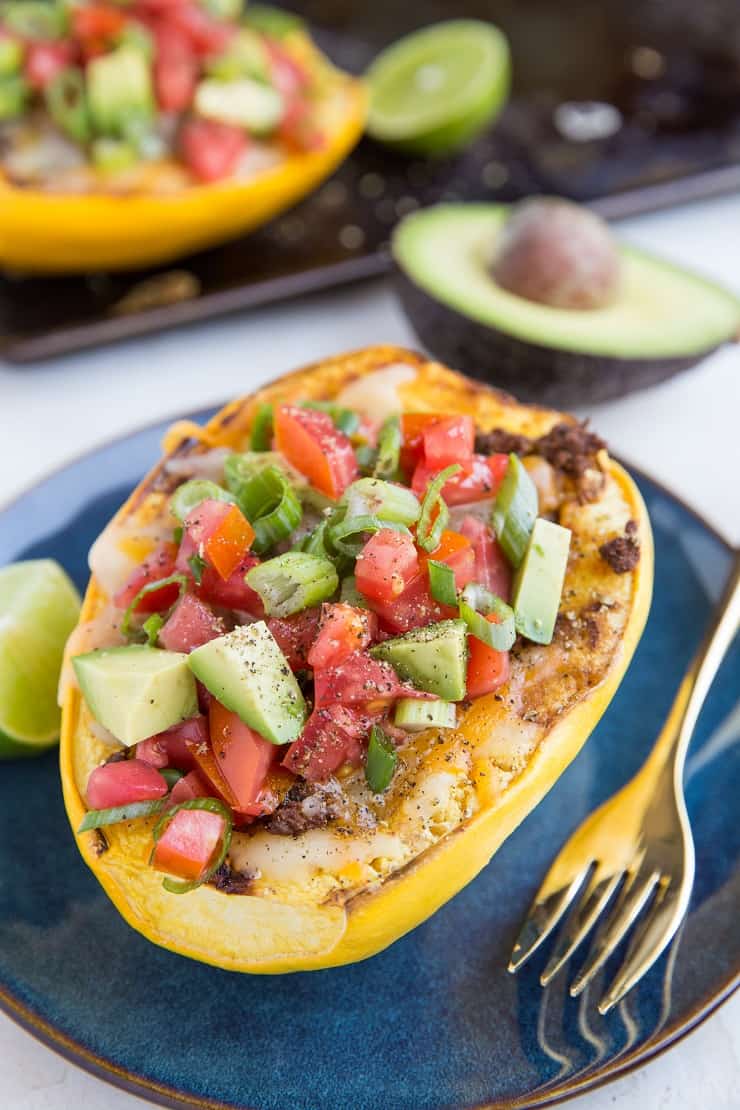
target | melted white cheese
[
  {"x": 377, "y": 394},
  {"x": 296, "y": 859}
]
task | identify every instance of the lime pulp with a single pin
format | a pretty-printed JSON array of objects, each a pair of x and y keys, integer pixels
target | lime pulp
[
  {"x": 39, "y": 607},
  {"x": 433, "y": 91}
]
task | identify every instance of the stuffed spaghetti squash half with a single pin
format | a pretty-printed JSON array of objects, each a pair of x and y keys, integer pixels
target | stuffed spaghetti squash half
[{"x": 335, "y": 647}]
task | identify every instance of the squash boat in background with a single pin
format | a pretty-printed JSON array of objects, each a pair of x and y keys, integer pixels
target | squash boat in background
[{"x": 340, "y": 893}]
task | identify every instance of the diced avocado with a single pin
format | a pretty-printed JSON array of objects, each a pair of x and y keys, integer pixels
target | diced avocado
[
  {"x": 136, "y": 691},
  {"x": 248, "y": 673},
  {"x": 515, "y": 510},
  {"x": 539, "y": 581},
  {"x": 246, "y": 56},
  {"x": 256, "y": 107},
  {"x": 119, "y": 91},
  {"x": 434, "y": 658},
  {"x": 11, "y": 57},
  {"x": 415, "y": 715}
]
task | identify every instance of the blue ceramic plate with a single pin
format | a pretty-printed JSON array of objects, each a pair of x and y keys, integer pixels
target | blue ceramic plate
[{"x": 435, "y": 1021}]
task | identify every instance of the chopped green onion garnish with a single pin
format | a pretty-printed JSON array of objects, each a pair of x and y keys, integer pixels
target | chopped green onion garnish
[
  {"x": 190, "y": 494},
  {"x": 150, "y": 587},
  {"x": 177, "y": 535},
  {"x": 273, "y": 22},
  {"x": 212, "y": 805},
  {"x": 387, "y": 464},
  {"x": 350, "y": 595},
  {"x": 292, "y": 582},
  {"x": 476, "y": 603},
  {"x": 97, "y": 818},
  {"x": 14, "y": 94},
  {"x": 151, "y": 627},
  {"x": 434, "y": 512},
  {"x": 11, "y": 57},
  {"x": 261, "y": 437},
  {"x": 367, "y": 457},
  {"x": 315, "y": 542},
  {"x": 515, "y": 510},
  {"x": 349, "y": 535},
  {"x": 171, "y": 775},
  {"x": 375, "y": 497},
  {"x": 442, "y": 583},
  {"x": 66, "y": 102},
  {"x": 345, "y": 420},
  {"x": 381, "y": 761},
  {"x": 415, "y": 715},
  {"x": 34, "y": 19},
  {"x": 197, "y": 565},
  {"x": 271, "y": 505}
]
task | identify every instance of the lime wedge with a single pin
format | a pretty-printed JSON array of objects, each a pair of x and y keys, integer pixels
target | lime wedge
[
  {"x": 39, "y": 607},
  {"x": 433, "y": 91}
]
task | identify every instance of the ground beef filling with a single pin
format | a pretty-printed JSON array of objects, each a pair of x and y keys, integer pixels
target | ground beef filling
[
  {"x": 307, "y": 806},
  {"x": 623, "y": 552},
  {"x": 571, "y": 449}
]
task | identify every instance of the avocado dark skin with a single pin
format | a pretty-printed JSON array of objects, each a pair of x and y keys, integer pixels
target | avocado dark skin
[{"x": 544, "y": 375}]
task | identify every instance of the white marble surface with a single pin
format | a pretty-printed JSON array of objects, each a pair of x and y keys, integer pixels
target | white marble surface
[{"x": 684, "y": 432}]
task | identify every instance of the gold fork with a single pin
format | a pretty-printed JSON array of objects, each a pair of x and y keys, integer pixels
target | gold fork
[{"x": 638, "y": 842}]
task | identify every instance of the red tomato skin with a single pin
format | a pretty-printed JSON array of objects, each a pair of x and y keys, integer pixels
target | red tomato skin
[
  {"x": 160, "y": 564},
  {"x": 311, "y": 443},
  {"x": 190, "y": 625},
  {"x": 295, "y": 635},
  {"x": 449, "y": 440},
  {"x": 343, "y": 629},
  {"x": 175, "y": 70},
  {"x": 416, "y": 607},
  {"x": 455, "y": 550},
  {"x": 189, "y": 844},
  {"x": 358, "y": 680},
  {"x": 96, "y": 21},
  {"x": 478, "y": 480},
  {"x": 205, "y": 34},
  {"x": 188, "y": 787},
  {"x": 174, "y": 747},
  {"x": 333, "y": 735},
  {"x": 413, "y": 425},
  {"x": 211, "y": 150},
  {"x": 386, "y": 565},
  {"x": 221, "y": 533},
  {"x": 44, "y": 60},
  {"x": 234, "y": 593},
  {"x": 243, "y": 757},
  {"x": 487, "y": 669},
  {"x": 119, "y": 784},
  {"x": 492, "y": 568}
]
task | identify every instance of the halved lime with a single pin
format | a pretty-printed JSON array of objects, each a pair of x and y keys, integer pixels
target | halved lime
[
  {"x": 436, "y": 89},
  {"x": 39, "y": 607}
]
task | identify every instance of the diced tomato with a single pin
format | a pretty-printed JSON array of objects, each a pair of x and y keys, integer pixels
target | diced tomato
[
  {"x": 209, "y": 770},
  {"x": 386, "y": 565},
  {"x": 416, "y": 607},
  {"x": 487, "y": 669},
  {"x": 212, "y": 150},
  {"x": 188, "y": 787},
  {"x": 456, "y": 551},
  {"x": 343, "y": 630},
  {"x": 413, "y": 426},
  {"x": 298, "y": 126},
  {"x": 492, "y": 568},
  {"x": 205, "y": 34},
  {"x": 96, "y": 22},
  {"x": 189, "y": 844},
  {"x": 311, "y": 443},
  {"x": 480, "y": 479},
  {"x": 288, "y": 75},
  {"x": 360, "y": 679},
  {"x": 449, "y": 440},
  {"x": 174, "y": 747},
  {"x": 119, "y": 784},
  {"x": 190, "y": 625},
  {"x": 44, "y": 60},
  {"x": 221, "y": 533},
  {"x": 160, "y": 564},
  {"x": 234, "y": 593},
  {"x": 176, "y": 71},
  {"x": 296, "y": 634},
  {"x": 243, "y": 757},
  {"x": 332, "y": 736}
]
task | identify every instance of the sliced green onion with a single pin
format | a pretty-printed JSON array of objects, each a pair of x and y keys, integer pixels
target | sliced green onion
[
  {"x": 273, "y": 22},
  {"x": 11, "y": 57},
  {"x": 34, "y": 19},
  {"x": 97, "y": 818},
  {"x": 212, "y": 805},
  {"x": 150, "y": 587},
  {"x": 292, "y": 582},
  {"x": 151, "y": 627},
  {"x": 387, "y": 464},
  {"x": 271, "y": 505},
  {"x": 349, "y": 535},
  {"x": 515, "y": 510},
  {"x": 177, "y": 535},
  {"x": 375, "y": 497},
  {"x": 345, "y": 420},
  {"x": 381, "y": 761},
  {"x": 66, "y": 102},
  {"x": 367, "y": 457},
  {"x": 190, "y": 494},
  {"x": 476, "y": 603},
  {"x": 197, "y": 565},
  {"x": 415, "y": 715},
  {"x": 171, "y": 775},
  {"x": 261, "y": 437},
  {"x": 315, "y": 543},
  {"x": 430, "y": 527},
  {"x": 442, "y": 582},
  {"x": 14, "y": 93},
  {"x": 350, "y": 595},
  {"x": 136, "y": 35}
]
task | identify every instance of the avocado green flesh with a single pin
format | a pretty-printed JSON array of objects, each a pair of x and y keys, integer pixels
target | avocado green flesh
[
  {"x": 248, "y": 673},
  {"x": 539, "y": 581},
  {"x": 136, "y": 691},
  {"x": 433, "y": 659},
  {"x": 662, "y": 311}
]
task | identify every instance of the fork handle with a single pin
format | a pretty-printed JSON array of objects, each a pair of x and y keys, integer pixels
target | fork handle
[{"x": 674, "y": 740}]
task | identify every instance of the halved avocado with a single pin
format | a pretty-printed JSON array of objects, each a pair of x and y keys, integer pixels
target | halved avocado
[{"x": 663, "y": 320}]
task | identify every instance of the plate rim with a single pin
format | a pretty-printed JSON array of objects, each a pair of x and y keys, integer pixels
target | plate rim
[{"x": 165, "y": 1095}]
